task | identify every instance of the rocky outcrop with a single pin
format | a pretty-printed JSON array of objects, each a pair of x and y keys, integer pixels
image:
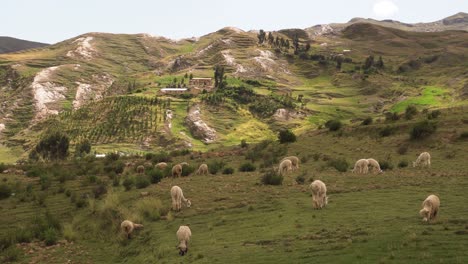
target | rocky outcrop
[
  {"x": 282, "y": 114},
  {"x": 198, "y": 127}
]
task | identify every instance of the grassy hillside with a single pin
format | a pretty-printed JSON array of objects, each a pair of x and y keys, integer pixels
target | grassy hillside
[
  {"x": 234, "y": 218},
  {"x": 8, "y": 44}
]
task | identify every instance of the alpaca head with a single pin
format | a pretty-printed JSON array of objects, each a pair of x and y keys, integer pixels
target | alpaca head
[
  {"x": 189, "y": 203},
  {"x": 182, "y": 249},
  {"x": 326, "y": 200},
  {"x": 424, "y": 213},
  {"x": 414, "y": 164}
]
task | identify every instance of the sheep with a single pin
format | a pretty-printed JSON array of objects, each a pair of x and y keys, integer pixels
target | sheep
[
  {"x": 140, "y": 169},
  {"x": 430, "y": 208},
  {"x": 361, "y": 166},
  {"x": 160, "y": 165},
  {"x": 183, "y": 235},
  {"x": 128, "y": 226},
  {"x": 319, "y": 194},
  {"x": 177, "y": 169},
  {"x": 203, "y": 169},
  {"x": 143, "y": 194},
  {"x": 177, "y": 198},
  {"x": 375, "y": 165},
  {"x": 294, "y": 160},
  {"x": 285, "y": 166},
  {"x": 423, "y": 159}
]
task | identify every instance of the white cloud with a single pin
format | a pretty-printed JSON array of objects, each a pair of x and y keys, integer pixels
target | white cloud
[{"x": 385, "y": 8}]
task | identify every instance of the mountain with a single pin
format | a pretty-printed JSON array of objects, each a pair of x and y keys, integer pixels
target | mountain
[
  {"x": 8, "y": 44},
  {"x": 107, "y": 87},
  {"x": 458, "y": 21}
]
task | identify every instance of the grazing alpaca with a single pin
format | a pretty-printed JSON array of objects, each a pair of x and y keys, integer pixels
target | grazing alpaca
[
  {"x": 177, "y": 198},
  {"x": 424, "y": 159},
  {"x": 361, "y": 166}
]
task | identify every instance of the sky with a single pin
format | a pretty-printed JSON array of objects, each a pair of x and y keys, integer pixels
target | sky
[{"x": 51, "y": 21}]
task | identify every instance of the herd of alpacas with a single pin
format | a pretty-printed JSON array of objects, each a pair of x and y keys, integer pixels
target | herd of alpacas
[{"x": 319, "y": 192}]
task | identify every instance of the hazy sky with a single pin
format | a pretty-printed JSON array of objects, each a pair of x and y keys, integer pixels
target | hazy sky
[{"x": 51, "y": 21}]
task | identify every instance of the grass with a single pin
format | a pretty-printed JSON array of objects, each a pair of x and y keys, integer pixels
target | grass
[{"x": 432, "y": 96}]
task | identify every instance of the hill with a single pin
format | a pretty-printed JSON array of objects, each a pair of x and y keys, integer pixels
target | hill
[
  {"x": 269, "y": 86},
  {"x": 8, "y": 44}
]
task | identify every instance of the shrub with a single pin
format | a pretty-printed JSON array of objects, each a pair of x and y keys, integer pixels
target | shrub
[
  {"x": 402, "y": 149},
  {"x": 387, "y": 131},
  {"x": 80, "y": 202},
  {"x": 389, "y": 116},
  {"x": 433, "y": 114},
  {"x": 339, "y": 164},
  {"x": 128, "y": 183},
  {"x": 111, "y": 157},
  {"x": 333, "y": 125},
  {"x": 422, "y": 130},
  {"x": 99, "y": 191},
  {"x": 116, "y": 181},
  {"x": 45, "y": 182},
  {"x": 3, "y": 167},
  {"x": 161, "y": 157},
  {"x": 155, "y": 175},
  {"x": 141, "y": 182},
  {"x": 92, "y": 178},
  {"x": 410, "y": 111},
  {"x": 35, "y": 172},
  {"x": 286, "y": 136},
  {"x": 5, "y": 191},
  {"x": 386, "y": 165},
  {"x": 464, "y": 135},
  {"x": 215, "y": 166},
  {"x": 23, "y": 235},
  {"x": 247, "y": 166},
  {"x": 300, "y": 179},
  {"x": 11, "y": 254},
  {"x": 367, "y": 121},
  {"x": 68, "y": 233},
  {"x": 187, "y": 170},
  {"x": 403, "y": 164},
  {"x": 272, "y": 177},
  {"x": 50, "y": 237},
  {"x": 243, "y": 143},
  {"x": 228, "y": 170},
  {"x": 115, "y": 167}
]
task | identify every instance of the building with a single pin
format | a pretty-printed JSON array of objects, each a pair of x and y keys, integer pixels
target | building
[
  {"x": 173, "y": 90},
  {"x": 201, "y": 83}
]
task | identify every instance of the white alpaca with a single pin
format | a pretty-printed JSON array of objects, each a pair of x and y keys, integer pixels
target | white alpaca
[
  {"x": 177, "y": 169},
  {"x": 361, "y": 166},
  {"x": 183, "y": 235},
  {"x": 430, "y": 208},
  {"x": 128, "y": 226},
  {"x": 203, "y": 169},
  {"x": 294, "y": 160},
  {"x": 160, "y": 165},
  {"x": 178, "y": 197},
  {"x": 285, "y": 166},
  {"x": 375, "y": 165},
  {"x": 424, "y": 159},
  {"x": 319, "y": 194}
]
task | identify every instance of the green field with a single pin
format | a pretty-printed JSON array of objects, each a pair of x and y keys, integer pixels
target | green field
[{"x": 431, "y": 96}]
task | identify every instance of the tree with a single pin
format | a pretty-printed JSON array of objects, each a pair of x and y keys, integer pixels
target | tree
[
  {"x": 271, "y": 39},
  {"x": 296, "y": 44},
  {"x": 84, "y": 147},
  {"x": 379, "y": 64},
  {"x": 191, "y": 76},
  {"x": 369, "y": 62},
  {"x": 338, "y": 63},
  {"x": 286, "y": 136},
  {"x": 53, "y": 146},
  {"x": 219, "y": 77},
  {"x": 261, "y": 36},
  {"x": 307, "y": 47}
]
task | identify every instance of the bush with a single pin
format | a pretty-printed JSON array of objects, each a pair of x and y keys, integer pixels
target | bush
[
  {"x": 187, "y": 170},
  {"x": 128, "y": 183},
  {"x": 3, "y": 167},
  {"x": 367, "y": 121},
  {"x": 433, "y": 114},
  {"x": 402, "y": 149},
  {"x": 410, "y": 111},
  {"x": 152, "y": 208},
  {"x": 80, "y": 202},
  {"x": 340, "y": 164},
  {"x": 333, "y": 125},
  {"x": 99, "y": 191},
  {"x": 403, "y": 164},
  {"x": 247, "y": 166},
  {"x": 243, "y": 144},
  {"x": 300, "y": 179},
  {"x": 392, "y": 116},
  {"x": 35, "y": 172},
  {"x": 155, "y": 175},
  {"x": 215, "y": 166},
  {"x": 272, "y": 177},
  {"x": 464, "y": 135},
  {"x": 5, "y": 191},
  {"x": 23, "y": 235},
  {"x": 161, "y": 157},
  {"x": 50, "y": 237},
  {"x": 286, "y": 136},
  {"x": 116, "y": 181},
  {"x": 141, "y": 182},
  {"x": 423, "y": 130},
  {"x": 111, "y": 157},
  {"x": 45, "y": 182},
  {"x": 387, "y": 131},
  {"x": 228, "y": 170},
  {"x": 386, "y": 165},
  {"x": 114, "y": 167},
  {"x": 11, "y": 254},
  {"x": 68, "y": 233}
]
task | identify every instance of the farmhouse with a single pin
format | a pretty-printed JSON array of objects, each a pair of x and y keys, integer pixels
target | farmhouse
[{"x": 201, "y": 83}]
